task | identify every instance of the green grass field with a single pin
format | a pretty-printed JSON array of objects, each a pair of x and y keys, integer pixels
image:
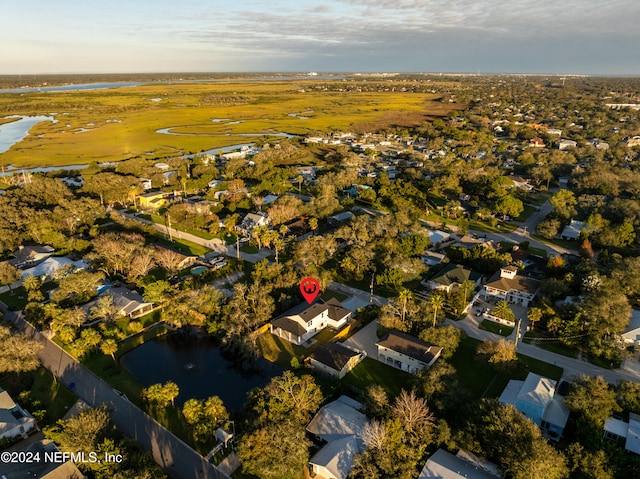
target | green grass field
[{"x": 111, "y": 125}]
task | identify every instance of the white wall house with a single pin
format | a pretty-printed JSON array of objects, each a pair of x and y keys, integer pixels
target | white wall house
[
  {"x": 14, "y": 421},
  {"x": 298, "y": 327},
  {"x": 407, "y": 353},
  {"x": 511, "y": 287}
]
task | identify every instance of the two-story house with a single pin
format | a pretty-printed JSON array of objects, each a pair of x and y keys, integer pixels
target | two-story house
[
  {"x": 513, "y": 288},
  {"x": 407, "y": 353},
  {"x": 536, "y": 398},
  {"x": 298, "y": 326}
]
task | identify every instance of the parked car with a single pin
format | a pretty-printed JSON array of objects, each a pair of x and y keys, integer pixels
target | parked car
[
  {"x": 217, "y": 259},
  {"x": 219, "y": 265}
]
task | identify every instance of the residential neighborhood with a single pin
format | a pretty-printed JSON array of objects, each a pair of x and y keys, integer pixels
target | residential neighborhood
[{"x": 476, "y": 313}]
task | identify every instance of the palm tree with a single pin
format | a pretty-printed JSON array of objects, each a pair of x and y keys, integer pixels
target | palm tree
[
  {"x": 534, "y": 315},
  {"x": 170, "y": 391},
  {"x": 110, "y": 347},
  {"x": 502, "y": 310},
  {"x": 403, "y": 298},
  {"x": 436, "y": 301}
]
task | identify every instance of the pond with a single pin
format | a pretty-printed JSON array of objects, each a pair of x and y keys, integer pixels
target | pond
[
  {"x": 197, "y": 367},
  {"x": 15, "y": 131}
]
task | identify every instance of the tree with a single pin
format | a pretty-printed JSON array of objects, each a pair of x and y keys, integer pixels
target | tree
[
  {"x": 84, "y": 432},
  {"x": 18, "y": 352},
  {"x": 564, "y": 202},
  {"x": 276, "y": 451},
  {"x": 503, "y": 310},
  {"x": 161, "y": 394},
  {"x": 509, "y": 205},
  {"x": 104, "y": 309},
  {"x": 77, "y": 288},
  {"x": 593, "y": 399},
  {"x": 32, "y": 286},
  {"x": 9, "y": 274},
  {"x": 447, "y": 337},
  {"x": 517, "y": 444},
  {"x": 110, "y": 347},
  {"x": 292, "y": 396},
  {"x": 436, "y": 302},
  {"x": 205, "y": 416},
  {"x": 534, "y": 315},
  {"x": 502, "y": 353},
  {"x": 414, "y": 415}
]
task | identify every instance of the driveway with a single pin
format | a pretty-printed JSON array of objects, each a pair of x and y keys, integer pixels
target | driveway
[{"x": 365, "y": 340}]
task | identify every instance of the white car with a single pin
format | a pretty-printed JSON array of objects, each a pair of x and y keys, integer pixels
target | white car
[
  {"x": 217, "y": 259},
  {"x": 219, "y": 265}
]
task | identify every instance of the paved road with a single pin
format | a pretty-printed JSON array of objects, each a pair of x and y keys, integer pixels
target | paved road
[
  {"x": 214, "y": 244},
  {"x": 174, "y": 456},
  {"x": 572, "y": 367}
]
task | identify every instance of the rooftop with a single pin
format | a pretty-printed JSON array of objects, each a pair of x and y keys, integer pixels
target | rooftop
[
  {"x": 410, "y": 346},
  {"x": 518, "y": 283},
  {"x": 334, "y": 355}
]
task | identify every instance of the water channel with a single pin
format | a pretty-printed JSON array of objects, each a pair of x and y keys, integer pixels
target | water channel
[{"x": 196, "y": 365}]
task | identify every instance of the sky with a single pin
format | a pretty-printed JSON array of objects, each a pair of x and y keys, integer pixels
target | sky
[{"x": 486, "y": 36}]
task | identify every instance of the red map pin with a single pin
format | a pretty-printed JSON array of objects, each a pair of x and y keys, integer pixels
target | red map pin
[{"x": 309, "y": 287}]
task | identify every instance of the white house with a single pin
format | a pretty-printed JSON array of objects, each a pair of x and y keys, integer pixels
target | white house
[
  {"x": 508, "y": 285},
  {"x": 334, "y": 359},
  {"x": 14, "y": 421},
  {"x": 444, "y": 465},
  {"x": 298, "y": 326},
  {"x": 629, "y": 432},
  {"x": 536, "y": 398},
  {"x": 339, "y": 426},
  {"x": 251, "y": 221},
  {"x": 407, "y": 353},
  {"x": 565, "y": 144},
  {"x": 572, "y": 230},
  {"x": 52, "y": 264}
]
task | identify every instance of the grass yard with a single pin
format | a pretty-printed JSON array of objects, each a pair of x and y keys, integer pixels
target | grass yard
[
  {"x": 185, "y": 112},
  {"x": 497, "y": 328},
  {"x": 46, "y": 399},
  {"x": 184, "y": 246},
  {"x": 370, "y": 371},
  {"x": 573, "y": 245},
  {"x": 280, "y": 351}
]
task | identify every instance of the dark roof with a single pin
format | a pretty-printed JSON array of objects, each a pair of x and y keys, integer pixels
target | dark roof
[
  {"x": 455, "y": 273},
  {"x": 519, "y": 283},
  {"x": 334, "y": 355},
  {"x": 287, "y": 324},
  {"x": 410, "y": 346}
]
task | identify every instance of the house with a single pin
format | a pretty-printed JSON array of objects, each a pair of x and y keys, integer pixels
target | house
[
  {"x": 520, "y": 182},
  {"x": 438, "y": 237},
  {"x": 451, "y": 278},
  {"x": 29, "y": 256},
  {"x": 632, "y": 335},
  {"x": 407, "y": 353},
  {"x": 251, "y": 221},
  {"x": 565, "y": 144},
  {"x": 536, "y": 143},
  {"x": 469, "y": 242},
  {"x": 572, "y": 230},
  {"x": 146, "y": 183},
  {"x": 464, "y": 465},
  {"x": 633, "y": 141},
  {"x": 430, "y": 258},
  {"x": 599, "y": 144},
  {"x": 129, "y": 303},
  {"x": 536, "y": 397},
  {"x": 155, "y": 200},
  {"x": 162, "y": 166},
  {"x": 629, "y": 432},
  {"x": 339, "y": 426},
  {"x": 513, "y": 288},
  {"x": 14, "y": 421},
  {"x": 299, "y": 325},
  {"x": 49, "y": 266},
  {"x": 339, "y": 218},
  {"x": 58, "y": 468},
  {"x": 356, "y": 189},
  {"x": 554, "y": 131},
  {"x": 334, "y": 359}
]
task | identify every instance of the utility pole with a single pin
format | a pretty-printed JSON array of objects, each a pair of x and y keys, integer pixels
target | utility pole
[
  {"x": 517, "y": 333},
  {"x": 169, "y": 229},
  {"x": 238, "y": 247},
  {"x": 371, "y": 288}
]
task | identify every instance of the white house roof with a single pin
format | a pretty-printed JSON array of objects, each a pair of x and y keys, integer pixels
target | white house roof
[
  {"x": 444, "y": 465},
  {"x": 510, "y": 393},
  {"x": 51, "y": 265},
  {"x": 572, "y": 230},
  {"x": 437, "y": 236},
  {"x": 556, "y": 412},
  {"x": 336, "y": 420},
  {"x": 537, "y": 390},
  {"x": 616, "y": 426},
  {"x": 633, "y": 434},
  {"x": 337, "y": 456}
]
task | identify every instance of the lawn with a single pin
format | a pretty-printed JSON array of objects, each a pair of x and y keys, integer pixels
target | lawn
[
  {"x": 16, "y": 299},
  {"x": 370, "y": 371},
  {"x": 48, "y": 399},
  {"x": 280, "y": 351},
  {"x": 184, "y": 246},
  {"x": 574, "y": 245},
  {"x": 494, "y": 327}
]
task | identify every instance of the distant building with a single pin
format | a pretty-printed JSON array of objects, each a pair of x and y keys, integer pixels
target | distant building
[
  {"x": 536, "y": 398},
  {"x": 407, "y": 353},
  {"x": 251, "y": 221},
  {"x": 155, "y": 200},
  {"x": 565, "y": 144},
  {"x": 572, "y": 230},
  {"x": 29, "y": 256}
]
